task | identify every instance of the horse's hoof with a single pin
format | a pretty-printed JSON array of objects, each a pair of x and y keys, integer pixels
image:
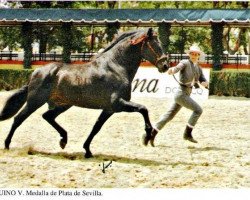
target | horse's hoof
[
  {"x": 88, "y": 155},
  {"x": 7, "y": 145},
  {"x": 145, "y": 140},
  {"x": 6, "y": 148},
  {"x": 152, "y": 139},
  {"x": 62, "y": 144}
]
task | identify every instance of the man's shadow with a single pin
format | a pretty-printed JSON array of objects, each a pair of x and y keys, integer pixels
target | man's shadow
[{"x": 212, "y": 148}]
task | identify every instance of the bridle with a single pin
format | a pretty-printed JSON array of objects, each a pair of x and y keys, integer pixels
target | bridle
[
  {"x": 158, "y": 57},
  {"x": 144, "y": 40}
]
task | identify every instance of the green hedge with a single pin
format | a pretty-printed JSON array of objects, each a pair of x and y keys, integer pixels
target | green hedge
[
  {"x": 227, "y": 83},
  {"x": 12, "y": 79},
  {"x": 230, "y": 83}
]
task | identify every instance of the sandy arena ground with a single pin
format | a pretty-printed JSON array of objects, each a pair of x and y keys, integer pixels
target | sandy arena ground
[{"x": 221, "y": 159}]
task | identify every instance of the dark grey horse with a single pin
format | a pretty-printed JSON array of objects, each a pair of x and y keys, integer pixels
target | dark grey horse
[{"x": 104, "y": 83}]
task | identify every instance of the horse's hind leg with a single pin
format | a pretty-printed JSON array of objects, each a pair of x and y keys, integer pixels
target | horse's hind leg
[
  {"x": 50, "y": 116},
  {"x": 37, "y": 96},
  {"x": 18, "y": 120},
  {"x": 98, "y": 125}
]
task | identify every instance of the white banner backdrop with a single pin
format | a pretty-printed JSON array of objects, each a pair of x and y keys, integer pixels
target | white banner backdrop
[{"x": 148, "y": 82}]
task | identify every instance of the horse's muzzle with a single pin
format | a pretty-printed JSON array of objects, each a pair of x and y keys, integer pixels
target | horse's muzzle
[
  {"x": 165, "y": 67},
  {"x": 163, "y": 63}
]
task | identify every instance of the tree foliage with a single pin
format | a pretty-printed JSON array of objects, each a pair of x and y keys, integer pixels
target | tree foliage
[
  {"x": 111, "y": 30},
  {"x": 164, "y": 36},
  {"x": 8, "y": 38},
  {"x": 27, "y": 39},
  {"x": 66, "y": 41},
  {"x": 217, "y": 45}
]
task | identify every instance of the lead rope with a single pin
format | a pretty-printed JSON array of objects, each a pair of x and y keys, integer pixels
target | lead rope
[{"x": 180, "y": 83}]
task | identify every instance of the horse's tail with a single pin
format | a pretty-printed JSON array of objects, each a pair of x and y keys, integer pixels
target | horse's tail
[{"x": 14, "y": 103}]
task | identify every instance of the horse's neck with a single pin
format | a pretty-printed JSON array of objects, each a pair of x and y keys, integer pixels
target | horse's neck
[{"x": 129, "y": 58}]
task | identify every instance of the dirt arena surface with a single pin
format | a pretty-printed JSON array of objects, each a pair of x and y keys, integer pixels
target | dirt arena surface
[{"x": 221, "y": 159}]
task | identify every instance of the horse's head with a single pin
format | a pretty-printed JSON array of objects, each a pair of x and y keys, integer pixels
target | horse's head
[{"x": 151, "y": 50}]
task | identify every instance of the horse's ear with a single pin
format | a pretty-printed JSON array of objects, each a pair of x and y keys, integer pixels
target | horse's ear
[{"x": 150, "y": 33}]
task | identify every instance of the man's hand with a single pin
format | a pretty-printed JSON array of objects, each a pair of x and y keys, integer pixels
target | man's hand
[
  {"x": 205, "y": 84},
  {"x": 170, "y": 71}
]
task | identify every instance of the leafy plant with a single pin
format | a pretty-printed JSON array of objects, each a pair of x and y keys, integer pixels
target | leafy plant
[{"x": 230, "y": 83}]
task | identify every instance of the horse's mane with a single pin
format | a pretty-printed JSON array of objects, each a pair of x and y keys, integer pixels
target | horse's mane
[{"x": 119, "y": 38}]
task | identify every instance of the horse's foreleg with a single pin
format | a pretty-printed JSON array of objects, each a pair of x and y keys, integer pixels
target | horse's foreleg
[
  {"x": 50, "y": 117},
  {"x": 128, "y": 106},
  {"x": 98, "y": 125}
]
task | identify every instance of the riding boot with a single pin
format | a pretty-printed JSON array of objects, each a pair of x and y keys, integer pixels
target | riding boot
[{"x": 188, "y": 135}]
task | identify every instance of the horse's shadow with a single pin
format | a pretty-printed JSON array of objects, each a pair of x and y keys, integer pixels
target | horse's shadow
[
  {"x": 212, "y": 148},
  {"x": 97, "y": 158}
]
